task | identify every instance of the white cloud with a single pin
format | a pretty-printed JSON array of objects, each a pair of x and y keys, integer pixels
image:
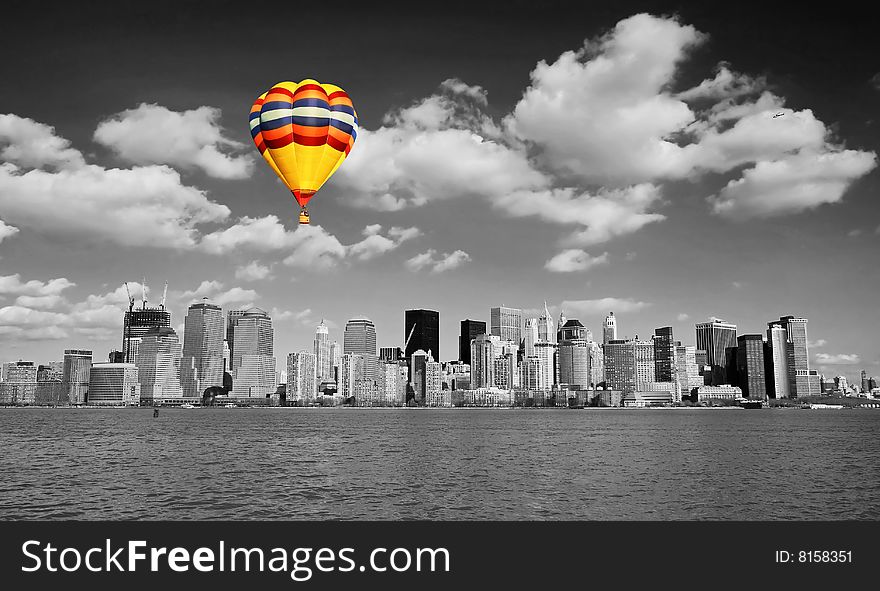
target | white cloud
[
  {"x": 374, "y": 244},
  {"x": 838, "y": 359},
  {"x": 253, "y": 271},
  {"x": 584, "y": 308},
  {"x": 725, "y": 84},
  {"x": 215, "y": 291},
  {"x": 6, "y": 230},
  {"x": 816, "y": 344},
  {"x": 30, "y": 144},
  {"x": 604, "y": 215},
  {"x": 854, "y": 233},
  {"x": 682, "y": 317},
  {"x": 12, "y": 284},
  {"x": 438, "y": 264},
  {"x": 153, "y": 134},
  {"x": 39, "y": 302},
  {"x": 574, "y": 259},
  {"x": 603, "y": 114},
  {"x": 792, "y": 184}
]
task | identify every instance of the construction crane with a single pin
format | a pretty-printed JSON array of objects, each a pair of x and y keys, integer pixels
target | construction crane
[
  {"x": 406, "y": 344},
  {"x": 126, "y": 337},
  {"x": 164, "y": 295}
]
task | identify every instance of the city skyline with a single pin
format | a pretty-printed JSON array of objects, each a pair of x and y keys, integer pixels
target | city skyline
[{"x": 664, "y": 249}]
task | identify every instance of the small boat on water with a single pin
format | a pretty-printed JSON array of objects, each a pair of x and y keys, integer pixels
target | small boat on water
[
  {"x": 825, "y": 406},
  {"x": 187, "y": 405},
  {"x": 752, "y": 404},
  {"x": 229, "y": 405}
]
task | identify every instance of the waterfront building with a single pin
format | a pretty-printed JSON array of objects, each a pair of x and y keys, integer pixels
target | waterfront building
[
  {"x": 534, "y": 374},
  {"x": 643, "y": 362},
  {"x": 302, "y": 377},
  {"x": 687, "y": 372},
  {"x": 546, "y": 354},
  {"x": 705, "y": 393},
  {"x": 620, "y": 369},
  {"x": 253, "y": 355},
  {"x": 52, "y": 371},
  {"x": 335, "y": 361},
  {"x": 506, "y": 323},
  {"x": 433, "y": 381},
  {"x": 19, "y": 385},
  {"x": 360, "y": 338},
  {"x": 609, "y": 329},
  {"x": 530, "y": 337},
  {"x": 352, "y": 372},
  {"x": 664, "y": 354},
  {"x": 484, "y": 349},
  {"x": 750, "y": 366},
  {"x": 572, "y": 330},
  {"x": 418, "y": 371},
  {"x": 597, "y": 363},
  {"x": 802, "y": 380},
  {"x": 425, "y": 335},
  {"x": 324, "y": 362},
  {"x": 75, "y": 378},
  {"x": 574, "y": 363},
  {"x": 714, "y": 337},
  {"x": 643, "y": 398},
  {"x": 202, "y": 364},
  {"x": 470, "y": 329},
  {"x": 778, "y": 380},
  {"x": 114, "y": 384},
  {"x": 158, "y": 362}
]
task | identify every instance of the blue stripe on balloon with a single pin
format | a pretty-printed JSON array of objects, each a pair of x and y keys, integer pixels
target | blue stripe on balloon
[
  {"x": 342, "y": 125},
  {"x": 311, "y": 121},
  {"x": 276, "y": 123},
  {"x": 342, "y": 109},
  {"x": 275, "y": 105},
  {"x": 310, "y": 102}
]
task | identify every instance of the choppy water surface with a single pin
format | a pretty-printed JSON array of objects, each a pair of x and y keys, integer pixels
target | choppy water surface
[{"x": 439, "y": 464}]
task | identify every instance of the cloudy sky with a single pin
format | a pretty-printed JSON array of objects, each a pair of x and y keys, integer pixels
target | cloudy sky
[{"x": 664, "y": 162}]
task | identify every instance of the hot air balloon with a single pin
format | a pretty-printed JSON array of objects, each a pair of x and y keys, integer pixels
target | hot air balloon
[{"x": 304, "y": 130}]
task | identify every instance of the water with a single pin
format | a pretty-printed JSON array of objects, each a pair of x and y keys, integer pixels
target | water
[{"x": 466, "y": 464}]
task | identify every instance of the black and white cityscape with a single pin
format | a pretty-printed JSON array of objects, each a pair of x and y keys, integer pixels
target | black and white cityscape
[
  {"x": 511, "y": 360},
  {"x": 563, "y": 261}
]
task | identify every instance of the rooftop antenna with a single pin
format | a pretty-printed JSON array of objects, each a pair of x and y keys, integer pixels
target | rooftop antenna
[
  {"x": 164, "y": 295},
  {"x": 126, "y": 337}
]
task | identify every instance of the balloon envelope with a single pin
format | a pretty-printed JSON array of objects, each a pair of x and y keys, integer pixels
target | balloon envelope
[{"x": 304, "y": 130}]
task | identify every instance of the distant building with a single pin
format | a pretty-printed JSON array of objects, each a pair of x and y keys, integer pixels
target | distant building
[
  {"x": 644, "y": 363},
  {"x": 506, "y": 323},
  {"x": 114, "y": 384},
  {"x": 779, "y": 385},
  {"x": 751, "y": 366},
  {"x": 572, "y": 330},
  {"x": 664, "y": 354},
  {"x": 425, "y": 335},
  {"x": 253, "y": 355},
  {"x": 390, "y": 354},
  {"x": 77, "y": 364},
  {"x": 158, "y": 363},
  {"x": 352, "y": 372},
  {"x": 705, "y": 393},
  {"x": 433, "y": 382},
  {"x": 19, "y": 386},
  {"x": 302, "y": 379},
  {"x": 470, "y": 329},
  {"x": 530, "y": 337},
  {"x": 609, "y": 328},
  {"x": 136, "y": 324},
  {"x": 714, "y": 337},
  {"x": 687, "y": 372},
  {"x": 546, "y": 334},
  {"x": 574, "y": 364},
  {"x": 335, "y": 360},
  {"x": 360, "y": 338},
  {"x": 324, "y": 362},
  {"x": 484, "y": 349},
  {"x": 202, "y": 364},
  {"x": 620, "y": 369}
]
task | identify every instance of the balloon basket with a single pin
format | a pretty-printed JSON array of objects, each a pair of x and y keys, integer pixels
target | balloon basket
[{"x": 304, "y": 217}]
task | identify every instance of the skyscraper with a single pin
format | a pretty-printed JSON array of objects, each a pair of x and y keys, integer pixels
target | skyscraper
[
  {"x": 530, "y": 337},
  {"x": 324, "y": 364},
  {"x": 574, "y": 364},
  {"x": 545, "y": 352},
  {"x": 136, "y": 324},
  {"x": 360, "y": 338},
  {"x": 644, "y": 363},
  {"x": 75, "y": 379},
  {"x": 687, "y": 372},
  {"x": 506, "y": 323},
  {"x": 253, "y": 357},
  {"x": 609, "y": 329},
  {"x": 470, "y": 329},
  {"x": 777, "y": 362},
  {"x": 418, "y": 371},
  {"x": 202, "y": 364},
  {"x": 302, "y": 382},
  {"x": 433, "y": 382},
  {"x": 335, "y": 362},
  {"x": 750, "y": 366},
  {"x": 351, "y": 373},
  {"x": 620, "y": 370},
  {"x": 664, "y": 354},
  {"x": 231, "y": 318},
  {"x": 19, "y": 384},
  {"x": 425, "y": 336},
  {"x": 714, "y": 337},
  {"x": 572, "y": 330},
  {"x": 158, "y": 363},
  {"x": 546, "y": 333},
  {"x": 484, "y": 349}
]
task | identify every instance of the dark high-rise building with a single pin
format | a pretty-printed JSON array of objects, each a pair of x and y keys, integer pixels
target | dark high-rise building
[
  {"x": 714, "y": 337},
  {"x": 425, "y": 336},
  {"x": 751, "y": 367},
  {"x": 137, "y": 323},
  {"x": 390, "y": 354},
  {"x": 664, "y": 354},
  {"x": 359, "y": 338},
  {"x": 866, "y": 386},
  {"x": 470, "y": 329},
  {"x": 572, "y": 330}
]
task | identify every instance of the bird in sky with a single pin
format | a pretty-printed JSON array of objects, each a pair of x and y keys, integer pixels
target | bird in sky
[{"x": 778, "y": 115}]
